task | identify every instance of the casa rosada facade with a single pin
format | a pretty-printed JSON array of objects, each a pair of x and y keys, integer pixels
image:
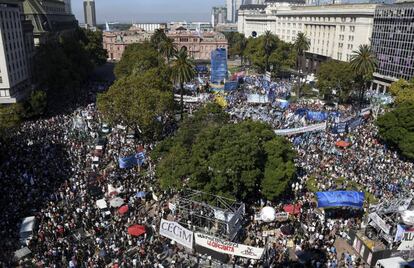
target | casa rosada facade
[{"x": 198, "y": 44}]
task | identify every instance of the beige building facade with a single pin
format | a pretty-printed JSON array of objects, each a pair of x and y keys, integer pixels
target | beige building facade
[
  {"x": 116, "y": 42},
  {"x": 334, "y": 30},
  {"x": 198, "y": 44}
]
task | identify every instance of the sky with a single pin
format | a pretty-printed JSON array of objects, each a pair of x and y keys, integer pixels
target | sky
[{"x": 149, "y": 10}]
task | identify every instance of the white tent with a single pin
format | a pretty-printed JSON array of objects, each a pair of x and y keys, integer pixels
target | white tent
[
  {"x": 408, "y": 217},
  {"x": 101, "y": 203},
  {"x": 116, "y": 202},
  {"x": 268, "y": 214}
]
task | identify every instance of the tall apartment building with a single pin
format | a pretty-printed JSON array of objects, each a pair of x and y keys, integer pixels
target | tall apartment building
[
  {"x": 89, "y": 13},
  {"x": 68, "y": 6},
  {"x": 335, "y": 31},
  {"x": 218, "y": 16},
  {"x": 393, "y": 42},
  {"x": 16, "y": 42},
  {"x": 232, "y": 9}
]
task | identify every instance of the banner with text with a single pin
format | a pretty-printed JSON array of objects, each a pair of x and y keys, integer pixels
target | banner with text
[
  {"x": 176, "y": 232},
  {"x": 291, "y": 131},
  {"x": 227, "y": 247},
  {"x": 407, "y": 241}
]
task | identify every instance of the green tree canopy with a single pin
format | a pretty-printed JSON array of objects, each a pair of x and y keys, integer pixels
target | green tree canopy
[
  {"x": 10, "y": 117},
  {"x": 138, "y": 101},
  {"x": 403, "y": 91},
  {"x": 282, "y": 55},
  {"x": 397, "y": 128},
  {"x": 336, "y": 75},
  {"x": 63, "y": 65},
  {"x": 182, "y": 71},
  {"x": 92, "y": 43},
  {"x": 137, "y": 59},
  {"x": 231, "y": 160},
  {"x": 237, "y": 44}
]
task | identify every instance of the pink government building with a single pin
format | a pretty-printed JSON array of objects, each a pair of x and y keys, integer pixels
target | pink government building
[{"x": 199, "y": 44}]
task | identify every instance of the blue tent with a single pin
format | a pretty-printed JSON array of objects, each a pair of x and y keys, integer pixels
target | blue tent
[{"x": 340, "y": 199}]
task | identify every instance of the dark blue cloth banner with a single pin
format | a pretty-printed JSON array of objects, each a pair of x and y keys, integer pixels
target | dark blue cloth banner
[
  {"x": 340, "y": 199},
  {"x": 316, "y": 116},
  {"x": 231, "y": 85},
  {"x": 132, "y": 160},
  {"x": 340, "y": 127},
  {"x": 301, "y": 111},
  {"x": 353, "y": 123}
]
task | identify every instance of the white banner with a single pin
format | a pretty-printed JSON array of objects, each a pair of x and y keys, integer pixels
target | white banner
[
  {"x": 227, "y": 247},
  {"x": 176, "y": 232},
  {"x": 282, "y": 216},
  {"x": 407, "y": 242},
  {"x": 291, "y": 131}
]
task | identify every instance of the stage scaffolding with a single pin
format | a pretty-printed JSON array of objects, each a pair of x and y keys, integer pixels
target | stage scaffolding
[{"x": 220, "y": 217}]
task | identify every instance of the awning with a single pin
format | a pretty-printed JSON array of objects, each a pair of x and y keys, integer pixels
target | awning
[
  {"x": 101, "y": 203},
  {"x": 342, "y": 144},
  {"x": 116, "y": 202},
  {"x": 292, "y": 209},
  {"x": 136, "y": 230},
  {"x": 340, "y": 199},
  {"x": 124, "y": 209}
]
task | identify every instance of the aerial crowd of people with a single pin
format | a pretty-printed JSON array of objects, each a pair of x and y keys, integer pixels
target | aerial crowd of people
[{"x": 57, "y": 168}]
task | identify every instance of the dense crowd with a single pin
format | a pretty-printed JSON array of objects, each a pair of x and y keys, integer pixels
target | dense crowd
[{"x": 53, "y": 170}]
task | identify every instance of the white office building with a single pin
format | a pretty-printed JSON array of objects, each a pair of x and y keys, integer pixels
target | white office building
[
  {"x": 334, "y": 30},
  {"x": 14, "y": 69},
  {"x": 150, "y": 27}
]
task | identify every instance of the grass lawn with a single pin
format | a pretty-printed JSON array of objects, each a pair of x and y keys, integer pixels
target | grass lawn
[{"x": 312, "y": 185}]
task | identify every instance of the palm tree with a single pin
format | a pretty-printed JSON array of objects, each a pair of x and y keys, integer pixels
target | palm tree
[
  {"x": 167, "y": 48},
  {"x": 302, "y": 43},
  {"x": 182, "y": 71},
  {"x": 158, "y": 36},
  {"x": 364, "y": 63},
  {"x": 269, "y": 45}
]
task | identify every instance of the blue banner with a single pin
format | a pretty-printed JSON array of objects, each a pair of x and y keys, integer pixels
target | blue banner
[
  {"x": 283, "y": 104},
  {"x": 301, "y": 111},
  {"x": 340, "y": 127},
  {"x": 316, "y": 116},
  {"x": 231, "y": 85},
  {"x": 340, "y": 199},
  {"x": 132, "y": 160},
  {"x": 353, "y": 123}
]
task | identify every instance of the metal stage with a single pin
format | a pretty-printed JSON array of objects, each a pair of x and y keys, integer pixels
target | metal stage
[{"x": 209, "y": 214}]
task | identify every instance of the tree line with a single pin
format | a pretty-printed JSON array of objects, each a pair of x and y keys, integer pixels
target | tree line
[
  {"x": 142, "y": 97},
  {"x": 61, "y": 66},
  {"x": 243, "y": 161}
]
